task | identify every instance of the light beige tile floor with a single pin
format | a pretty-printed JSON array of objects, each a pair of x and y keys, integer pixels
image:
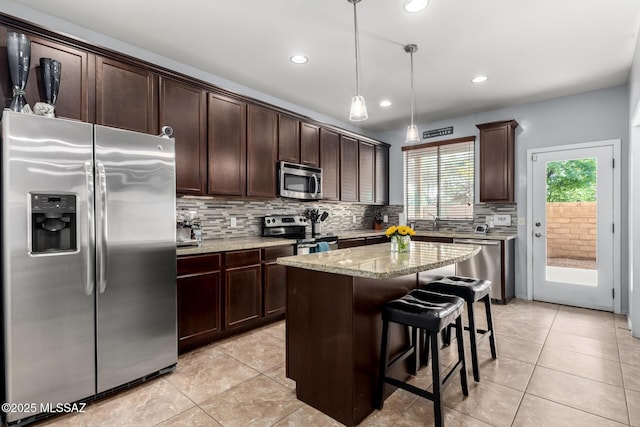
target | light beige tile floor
[{"x": 556, "y": 366}]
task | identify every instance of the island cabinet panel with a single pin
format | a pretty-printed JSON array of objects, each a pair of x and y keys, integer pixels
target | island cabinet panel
[
  {"x": 309, "y": 144},
  {"x": 184, "y": 108},
  {"x": 274, "y": 280},
  {"x": 366, "y": 172},
  {"x": 330, "y": 164},
  {"x": 348, "y": 169},
  {"x": 333, "y": 339},
  {"x": 199, "y": 300},
  {"x": 243, "y": 287},
  {"x": 497, "y": 150},
  {"x": 227, "y": 146},
  {"x": 376, "y": 240},
  {"x": 262, "y": 151},
  {"x": 382, "y": 175},
  {"x": 73, "y": 96},
  {"x": 126, "y": 96},
  {"x": 288, "y": 139}
]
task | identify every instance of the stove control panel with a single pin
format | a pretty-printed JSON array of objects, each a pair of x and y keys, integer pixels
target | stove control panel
[{"x": 284, "y": 221}]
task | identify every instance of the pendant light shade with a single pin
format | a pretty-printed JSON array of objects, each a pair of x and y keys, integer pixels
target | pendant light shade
[
  {"x": 358, "y": 110},
  {"x": 413, "y": 135}
]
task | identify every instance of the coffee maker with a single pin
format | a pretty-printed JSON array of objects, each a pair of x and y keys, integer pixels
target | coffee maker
[{"x": 188, "y": 230}]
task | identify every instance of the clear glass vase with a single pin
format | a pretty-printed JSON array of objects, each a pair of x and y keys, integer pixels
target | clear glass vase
[{"x": 400, "y": 243}]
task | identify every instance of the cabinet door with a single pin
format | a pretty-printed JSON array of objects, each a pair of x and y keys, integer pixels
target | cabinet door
[
  {"x": 351, "y": 243},
  {"x": 73, "y": 96},
  {"x": 243, "y": 295},
  {"x": 348, "y": 169},
  {"x": 433, "y": 239},
  {"x": 184, "y": 108},
  {"x": 382, "y": 175},
  {"x": 309, "y": 144},
  {"x": 227, "y": 145},
  {"x": 330, "y": 164},
  {"x": 288, "y": 139},
  {"x": 126, "y": 96},
  {"x": 275, "y": 289},
  {"x": 366, "y": 172},
  {"x": 261, "y": 151},
  {"x": 377, "y": 240},
  {"x": 198, "y": 307},
  {"x": 497, "y": 161}
]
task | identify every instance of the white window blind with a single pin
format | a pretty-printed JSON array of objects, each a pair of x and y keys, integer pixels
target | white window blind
[{"x": 439, "y": 180}]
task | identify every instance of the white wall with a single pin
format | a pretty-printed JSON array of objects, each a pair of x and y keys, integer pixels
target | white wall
[
  {"x": 585, "y": 117},
  {"x": 634, "y": 193}
]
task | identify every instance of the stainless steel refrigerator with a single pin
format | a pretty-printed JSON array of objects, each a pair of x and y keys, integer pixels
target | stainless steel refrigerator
[{"x": 88, "y": 259}]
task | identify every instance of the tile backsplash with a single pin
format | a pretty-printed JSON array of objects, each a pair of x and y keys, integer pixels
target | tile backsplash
[{"x": 217, "y": 214}]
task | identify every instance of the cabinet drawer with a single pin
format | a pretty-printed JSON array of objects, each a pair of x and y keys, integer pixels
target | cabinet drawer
[
  {"x": 276, "y": 252},
  {"x": 198, "y": 264},
  {"x": 241, "y": 258},
  {"x": 377, "y": 240},
  {"x": 432, "y": 239}
]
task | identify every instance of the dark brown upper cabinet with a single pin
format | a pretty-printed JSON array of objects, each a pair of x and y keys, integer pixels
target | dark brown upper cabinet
[
  {"x": 262, "y": 146},
  {"x": 184, "y": 108},
  {"x": 73, "y": 96},
  {"x": 309, "y": 144},
  {"x": 227, "y": 146},
  {"x": 366, "y": 172},
  {"x": 330, "y": 164},
  {"x": 382, "y": 175},
  {"x": 348, "y": 169},
  {"x": 126, "y": 96},
  {"x": 497, "y": 149},
  {"x": 288, "y": 139}
]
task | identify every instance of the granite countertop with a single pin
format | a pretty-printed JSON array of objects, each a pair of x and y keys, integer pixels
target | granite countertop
[
  {"x": 233, "y": 244},
  {"x": 378, "y": 262},
  {"x": 351, "y": 234}
]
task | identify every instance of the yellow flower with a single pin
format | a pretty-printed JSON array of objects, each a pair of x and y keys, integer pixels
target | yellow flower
[
  {"x": 391, "y": 231},
  {"x": 400, "y": 230}
]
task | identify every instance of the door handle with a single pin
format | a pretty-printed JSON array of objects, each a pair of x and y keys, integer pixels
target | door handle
[
  {"x": 101, "y": 248},
  {"x": 538, "y": 234},
  {"x": 91, "y": 274}
]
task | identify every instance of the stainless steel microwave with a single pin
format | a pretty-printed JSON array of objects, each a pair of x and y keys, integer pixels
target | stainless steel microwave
[{"x": 299, "y": 181}]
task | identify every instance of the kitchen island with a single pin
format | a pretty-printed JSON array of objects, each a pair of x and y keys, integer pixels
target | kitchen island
[{"x": 333, "y": 319}]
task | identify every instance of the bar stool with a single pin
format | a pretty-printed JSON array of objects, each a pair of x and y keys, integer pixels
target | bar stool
[
  {"x": 471, "y": 290},
  {"x": 430, "y": 313}
]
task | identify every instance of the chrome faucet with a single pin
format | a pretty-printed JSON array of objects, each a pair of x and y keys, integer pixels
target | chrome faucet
[{"x": 434, "y": 222}]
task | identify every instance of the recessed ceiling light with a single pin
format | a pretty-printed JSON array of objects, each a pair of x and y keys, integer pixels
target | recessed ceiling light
[
  {"x": 414, "y": 6},
  {"x": 299, "y": 59},
  {"x": 385, "y": 103},
  {"x": 479, "y": 79}
]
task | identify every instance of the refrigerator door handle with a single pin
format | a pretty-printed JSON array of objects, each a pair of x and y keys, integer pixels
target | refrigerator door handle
[
  {"x": 101, "y": 247},
  {"x": 91, "y": 273}
]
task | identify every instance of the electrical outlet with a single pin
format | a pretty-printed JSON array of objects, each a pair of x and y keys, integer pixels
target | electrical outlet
[
  {"x": 522, "y": 220},
  {"x": 502, "y": 220},
  {"x": 232, "y": 221},
  {"x": 355, "y": 219},
  {"x": 385, "y": 218}
]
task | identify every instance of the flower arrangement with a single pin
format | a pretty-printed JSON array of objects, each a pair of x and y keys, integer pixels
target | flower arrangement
[{"x": 400, "y": 236}]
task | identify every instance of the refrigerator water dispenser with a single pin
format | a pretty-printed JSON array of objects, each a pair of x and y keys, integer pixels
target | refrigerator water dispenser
[{"x": 53, "y": 223}]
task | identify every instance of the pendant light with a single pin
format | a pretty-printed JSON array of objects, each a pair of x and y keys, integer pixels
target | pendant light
[
  {"x": 358, "y": 108},
  {"x": 413, "y": 135}
]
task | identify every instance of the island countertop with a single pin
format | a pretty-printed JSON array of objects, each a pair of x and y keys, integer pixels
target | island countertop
[{"x": 378, "y": 262}]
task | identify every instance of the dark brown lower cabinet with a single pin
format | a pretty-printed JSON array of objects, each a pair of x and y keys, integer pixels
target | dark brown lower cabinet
[
  {"x": 374, "y": 240},
  {"x": 435, "y": 239},
  {"x": 350, "y": 243},
  {"x": 199, "y": 300},
  {"x": 243, "y": 287},
  {"x": 274, "y": 280}
]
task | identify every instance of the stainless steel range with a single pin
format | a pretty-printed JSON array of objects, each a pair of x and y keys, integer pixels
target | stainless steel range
[{"x": 295, "y": 227}]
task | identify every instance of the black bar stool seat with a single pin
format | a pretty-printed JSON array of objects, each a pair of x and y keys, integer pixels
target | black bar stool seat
[
  {"x": 471, "y": 290},
  {"x": 430, "y": 313}
]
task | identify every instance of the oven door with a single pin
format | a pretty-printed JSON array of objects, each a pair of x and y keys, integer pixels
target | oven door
[{"x": 300, "y": 182}]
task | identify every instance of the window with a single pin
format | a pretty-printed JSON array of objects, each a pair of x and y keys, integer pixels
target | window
[{"x": 439, "y": 179}]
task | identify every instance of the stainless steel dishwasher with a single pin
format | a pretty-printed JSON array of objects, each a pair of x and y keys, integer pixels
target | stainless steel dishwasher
[{"x": 494, "y": 262}]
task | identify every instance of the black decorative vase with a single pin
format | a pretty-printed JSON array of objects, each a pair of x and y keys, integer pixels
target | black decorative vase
[
  {"x": 19, "y": 58},
  {"x": 50, "y": 70}
]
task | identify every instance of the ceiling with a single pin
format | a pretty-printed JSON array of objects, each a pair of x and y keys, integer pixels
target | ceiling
[{"x": 531, "y": 50}]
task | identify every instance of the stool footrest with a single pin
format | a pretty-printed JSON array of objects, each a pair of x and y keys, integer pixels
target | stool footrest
[{"x": 409, "y": 387}]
